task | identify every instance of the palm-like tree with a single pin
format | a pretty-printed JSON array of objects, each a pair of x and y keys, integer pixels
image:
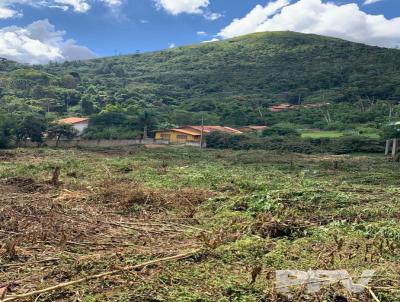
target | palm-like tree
[{"x": 146, "y": 121}]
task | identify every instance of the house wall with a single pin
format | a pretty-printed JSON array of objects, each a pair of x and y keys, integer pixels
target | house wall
[
  {"x": 176, "y": 137},
  {"x": 80, "y": 127}
]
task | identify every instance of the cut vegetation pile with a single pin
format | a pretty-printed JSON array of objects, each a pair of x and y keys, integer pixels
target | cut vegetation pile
[
  {"x": 50, "y": 235},
  {"x": 134, "y": 197},
  {"x": 188, "y": 225}
]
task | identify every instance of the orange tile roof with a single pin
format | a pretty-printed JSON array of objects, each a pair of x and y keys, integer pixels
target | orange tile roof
[
  {"x": 280, "y": 107},
  {"x": 74, "y": 120},
  {"x": 186, "y": 131},
  {"x": 196, "y": 130},
  {"x": 254, "y": 127},
  {"x": 208, "y": 129}
]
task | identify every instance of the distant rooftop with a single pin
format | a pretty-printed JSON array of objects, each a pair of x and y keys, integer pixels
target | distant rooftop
[
  {"x": 208, "y": 129},
  {"x": 74, "y": 120},
  {"x": 253, "y": 127}
]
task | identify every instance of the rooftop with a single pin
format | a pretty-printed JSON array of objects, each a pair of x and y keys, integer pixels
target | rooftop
[
  {"x": 196, "y": 130},
  {"x": 185, "y": 131},
  {"x": 208, "y": 129},
  {"x": 254, "y": 127},
  {"x": 73, "y": 120}
]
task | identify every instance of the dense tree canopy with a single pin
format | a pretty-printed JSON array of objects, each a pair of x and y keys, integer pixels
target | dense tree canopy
[{"x": 233, "y": 82}]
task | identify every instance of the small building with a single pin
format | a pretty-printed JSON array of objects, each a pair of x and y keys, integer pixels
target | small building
[
  {"x": 80, "y": 124},
  {"x": 252, "y": 128},
  {"x": 190, "y": 134},
  {"x": 178, "y": 136}
]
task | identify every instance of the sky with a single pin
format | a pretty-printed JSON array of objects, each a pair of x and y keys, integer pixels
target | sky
[{"x": 40, "y": 31}]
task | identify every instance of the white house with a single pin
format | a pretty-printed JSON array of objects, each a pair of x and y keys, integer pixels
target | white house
[{"x": 78, "y": 123}]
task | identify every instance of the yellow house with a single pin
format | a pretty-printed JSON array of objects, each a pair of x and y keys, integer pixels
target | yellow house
[
  {"x": 190, "y": 134},
  {"x": 178, "y": 136}
]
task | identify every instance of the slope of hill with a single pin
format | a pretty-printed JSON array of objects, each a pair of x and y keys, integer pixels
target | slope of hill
[{"x": 233, "y": 81}]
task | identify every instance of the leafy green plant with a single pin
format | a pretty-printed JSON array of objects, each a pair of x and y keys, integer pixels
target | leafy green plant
[{"x": 287, "y": 130}]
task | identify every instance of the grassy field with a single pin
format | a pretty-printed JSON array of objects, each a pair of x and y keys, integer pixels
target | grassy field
[
  {"x": 244, "y": 214},
  {"x": 321, "y": 134},
  {"x": 336, "y": 134}
]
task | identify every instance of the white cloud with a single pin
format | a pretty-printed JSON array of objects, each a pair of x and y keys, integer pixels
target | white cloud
[
  {"x": 39, "y": 43},
  {"x": 71, "y": 51},
  {"x": 201, "y": 33},
  {"x": 253, "y": 19},
  {"x": 171, "y": 45},
  {"x": 80, "y": 6},
  {"x": 212, "y": 16},
  {"x": 366, "y": 2},
  {"x": 115, "y": 8},
  {"x": 210, "y": 41},
  {"x": 8, "y": 7},
  {"x": 6, "y": 13},
  {"x": 113, "y": 3},
  {"x": 199, "y": 7},
  {"x": 345, "y": 21},
  {"x": 62, "y": 7},
  {"x": 176, "y": 7}
]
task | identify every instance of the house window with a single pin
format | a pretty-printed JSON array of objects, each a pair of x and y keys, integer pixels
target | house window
[
  {"x": 165, "y": 136},
  {"x": 181, "y": 136}
]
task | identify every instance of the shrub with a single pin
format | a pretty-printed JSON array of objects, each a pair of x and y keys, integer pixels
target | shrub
[
  {"x": 336, "y": 126},
  {"x": 340, "y": 145},
  {"x": 281, "y": 130},
  {"x": 391, "y": 131},
  {"x": 112, "y": 133},
  {"x": 6, "y": 135}
]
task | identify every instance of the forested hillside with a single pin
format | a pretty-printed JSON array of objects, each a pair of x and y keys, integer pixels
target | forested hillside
[{"x": 232, "y": 82}]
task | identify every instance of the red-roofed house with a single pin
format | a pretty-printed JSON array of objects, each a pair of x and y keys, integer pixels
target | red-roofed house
[
  {"x": 78, "y": 123},
  {"x": 190, "y": 134}
]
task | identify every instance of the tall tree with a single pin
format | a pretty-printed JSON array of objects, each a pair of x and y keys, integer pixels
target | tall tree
[
  {"x": 146, "y": 122},
  {"x": 30, "y": 126},
  {"x": 59, "y": 131}
]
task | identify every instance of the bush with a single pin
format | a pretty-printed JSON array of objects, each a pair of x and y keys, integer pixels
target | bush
[
  {"x": 391, "y": 131},
  {"x": 340, "y": 145},
  {"x": 6, "y": 136},
  {"x": 112, "y": 133},
  {"x": 339, "y": 126},
  {"x": 220, "y": 140},
  {"x": 281, "y": 130}
]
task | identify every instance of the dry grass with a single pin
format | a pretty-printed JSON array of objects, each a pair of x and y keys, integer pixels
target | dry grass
[
  {"x": 49, "y": 235},
  {"x": 125, "y": 195},
  {"x": 254, "y": 212}
]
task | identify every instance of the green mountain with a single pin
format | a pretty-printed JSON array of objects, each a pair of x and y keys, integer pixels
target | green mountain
[{"x": 229, "y": 82}]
